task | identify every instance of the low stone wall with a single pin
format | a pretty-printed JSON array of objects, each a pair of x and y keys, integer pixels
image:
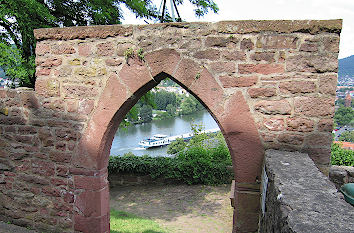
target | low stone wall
[
  {"x": 127, "y": 179},
  {"x": 123, "y": 179},
  {"x": 340, "y": 175},
  {"x": 299, "y": 198}
]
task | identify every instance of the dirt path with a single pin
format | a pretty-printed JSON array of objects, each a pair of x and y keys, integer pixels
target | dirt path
[{"x": 180, "y": 208}]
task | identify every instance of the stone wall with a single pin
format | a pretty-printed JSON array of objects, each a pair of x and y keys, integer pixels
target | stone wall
[
  {"x": 268, "y": 84},
  {"x": 299, "y": 198},
  {"x": 37, "y": 143},
  {"x": 340, "y": 175}
]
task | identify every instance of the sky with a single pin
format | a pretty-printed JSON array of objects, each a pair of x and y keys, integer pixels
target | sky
[{"x": 274, "y": 10}]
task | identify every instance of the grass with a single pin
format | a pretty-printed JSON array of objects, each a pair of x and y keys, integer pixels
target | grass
[{"x": 123, "y": 222}]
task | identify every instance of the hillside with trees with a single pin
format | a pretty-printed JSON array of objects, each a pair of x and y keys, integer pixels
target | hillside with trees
[{"x": 346, "y": 67}]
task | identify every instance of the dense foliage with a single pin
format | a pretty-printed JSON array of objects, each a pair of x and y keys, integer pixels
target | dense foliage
[
  {"x": 347, "y": 136},
  {"x": 164, "y": 98},
  {"x": 146, "y": 113},
  {"x": 340, "y": 156},
  {"x": 344, "y": 115},
  {"x": 163, "y": 104},
  {"x": 196, "y": 162},
  {"x": 18, "y": 18}
]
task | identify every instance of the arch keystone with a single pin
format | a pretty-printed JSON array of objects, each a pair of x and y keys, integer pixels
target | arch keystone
[
  {"x": 164, "y": 60},
  {"x": 135, "y": 74}
]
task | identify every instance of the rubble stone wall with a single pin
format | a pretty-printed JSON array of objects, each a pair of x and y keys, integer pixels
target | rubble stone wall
[{"x": 268, "y": 84}]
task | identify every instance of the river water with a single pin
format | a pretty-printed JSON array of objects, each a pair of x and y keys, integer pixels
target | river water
[{"x": 126, "y": 140}]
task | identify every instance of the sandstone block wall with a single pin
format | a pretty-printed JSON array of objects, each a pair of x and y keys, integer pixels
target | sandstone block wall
[
  {"x": 268, "y": 84},
  {"x": 299, "y": 198}
]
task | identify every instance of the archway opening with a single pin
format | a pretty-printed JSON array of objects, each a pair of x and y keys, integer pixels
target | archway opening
[{"x": 169, "y": 184}]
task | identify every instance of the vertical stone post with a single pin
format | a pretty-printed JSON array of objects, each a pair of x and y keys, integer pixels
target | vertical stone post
[{"x": 91, "y": 206}]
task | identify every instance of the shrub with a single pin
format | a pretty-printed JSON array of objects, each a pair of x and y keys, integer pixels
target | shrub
[
  {"x": 196, "y": 165},
  {"x": 203, "y": 160},
  {"x": 340, "y": 156}
]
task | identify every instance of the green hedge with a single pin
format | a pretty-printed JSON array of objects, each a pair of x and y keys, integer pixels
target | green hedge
[
  {"x": 340, "y": 156},
  {"x": 197, "y": 165}
]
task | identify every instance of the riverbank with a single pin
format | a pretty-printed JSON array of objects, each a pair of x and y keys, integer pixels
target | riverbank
[{"x": 127, "y": 140}]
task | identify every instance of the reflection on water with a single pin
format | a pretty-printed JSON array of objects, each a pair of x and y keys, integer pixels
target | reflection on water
[{"x": 127, "y": 140}]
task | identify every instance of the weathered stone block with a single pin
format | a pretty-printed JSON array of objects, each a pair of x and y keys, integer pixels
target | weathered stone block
[
  {"x": 289, "y": 138},
  {"x": 328, "y": 84},
  {"x": 72, "y": 91},
  {"x": 114, "y": 61},
  {"x": 319, "y": 139},
  {"x": 86, "y": 106},
  {"x": 92, "y": 183},
  {"x": 325, "y": 125},
  {"x": 164, "y": 60},
  {"x": 274, "y": 124},
  {"x": 222, "y": 67},
  {"x": 221, "y": 41},
  {"x": 243, "y": 81},
  {"x": 277, "y": 42},
  {"x": 84, "y": 49},
  {"x": 135, "y": 75},
  {"x": 272, "y": 107},
  {"x": 93, "y": 203},
  {"x": 209, "y": 54},
  {"x": 297, "y": 87},
  {"x": 233, "y": 55},
  {"x": 246, "y": 44},
  {"x": 47, "y": 87},
  {"x": 314, "y": 106},
  {"x": 263, "y": 56},
  {"x": 48, "y": 62},
  {"x": 63, "y": 49},
  {"x": 43, "y": 71},
  {"x": 261, "y": 68},
  {"x": 309, "y": 47},
  {"x": 300, "y": 124},
  {"x": 61, "y": 157},
  {"x": 105, "y": 49},
  {"x": 42, "y": 49},
  {"x": 261, "y": 92},
  {"x": 318, "y": 63}
]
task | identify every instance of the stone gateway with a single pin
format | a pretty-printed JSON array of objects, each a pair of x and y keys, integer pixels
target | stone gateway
[{"x": 268, "y": 84}]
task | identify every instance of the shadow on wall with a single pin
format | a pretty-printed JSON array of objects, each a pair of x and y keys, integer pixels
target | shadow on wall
[{"x": 37, "y": 144}]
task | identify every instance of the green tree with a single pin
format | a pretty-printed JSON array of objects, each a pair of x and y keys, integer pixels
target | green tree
[
  {"x": 347, "y": 136},
  {"x": 344, "y": 116},
  {"x": 176, "y": 146},
  {"x": 15, "y": 66},
  {"x": 18, "y": 18},
  {"x": 171, "y": 110},
  {"x": 164, "y": 98},
  {"x": 190, "y": 105},
  {"x": 146, "y": 113}
]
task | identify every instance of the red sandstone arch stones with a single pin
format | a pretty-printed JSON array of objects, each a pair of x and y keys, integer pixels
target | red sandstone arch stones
[{"x": 268, "y": 84}]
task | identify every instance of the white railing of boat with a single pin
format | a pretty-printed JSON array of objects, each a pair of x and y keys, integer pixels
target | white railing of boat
[{"x": 154, "y": 142}]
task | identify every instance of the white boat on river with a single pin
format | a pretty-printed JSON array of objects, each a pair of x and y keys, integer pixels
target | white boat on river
[{"x": 163, "y": 140}]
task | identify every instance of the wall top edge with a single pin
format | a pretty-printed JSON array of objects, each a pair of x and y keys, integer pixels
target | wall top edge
[{"x": 222, "y": 27}]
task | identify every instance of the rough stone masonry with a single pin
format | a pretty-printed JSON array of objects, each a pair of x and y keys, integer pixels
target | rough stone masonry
[{"x": 268, "y": 84}]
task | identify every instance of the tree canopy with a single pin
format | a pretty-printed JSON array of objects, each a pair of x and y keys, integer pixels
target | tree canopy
[
  {"x": 344, "y": 115},
  {"x": 18, "y": 18}
]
